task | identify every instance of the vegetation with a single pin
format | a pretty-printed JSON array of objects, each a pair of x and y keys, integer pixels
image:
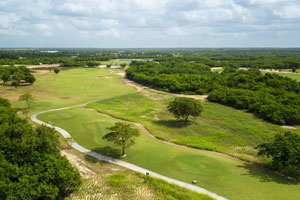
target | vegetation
[
  {"x": 122, "y": 134},
  {"x": 56, "y": 70},
  {"x": 170, "y": 192},
  {"x": 16, "y": 75},
  {"x": 219, "y": 127},
  {"x": 225, "y": 176},
  {"x": 106, "y": 180},
  {"x": 285, "y": 153},
  {"x": 270, "y": 96},
  {"x": 185, "y": 107},
  {"x": 28, "y": 98},
  {"x": 30, "y": 162}
]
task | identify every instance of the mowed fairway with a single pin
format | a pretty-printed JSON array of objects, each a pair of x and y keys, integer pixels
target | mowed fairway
[
  {"x": 225, "y": 176},
  {"x": 219, "y": 128},
  {"x": 69, "y": 87}
]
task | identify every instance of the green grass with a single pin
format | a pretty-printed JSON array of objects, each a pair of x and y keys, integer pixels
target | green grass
[
  {"x": 69, "y": 87},
  {"x": 292, "y": 76},
  {"x": 172, "y": 192},
  {"x": 225, "y": 176},
  {"x": 219, "y": 128}
]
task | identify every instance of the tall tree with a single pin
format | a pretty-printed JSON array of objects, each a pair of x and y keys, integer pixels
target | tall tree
[
  {"x": 28, "y": 98},
  {"x": 182, "y": 107},
  {"x": 122, "y": 134},
  {"x": 284, "y": 150}
]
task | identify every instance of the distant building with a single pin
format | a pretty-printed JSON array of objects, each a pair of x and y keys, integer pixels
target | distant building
[{"x": 49, "y": 51}]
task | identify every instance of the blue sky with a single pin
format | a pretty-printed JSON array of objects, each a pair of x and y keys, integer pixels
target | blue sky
[{"x": 149, "y": 23}]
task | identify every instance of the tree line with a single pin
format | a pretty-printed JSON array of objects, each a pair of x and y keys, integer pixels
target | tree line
[{"x": 269, "y": 96}]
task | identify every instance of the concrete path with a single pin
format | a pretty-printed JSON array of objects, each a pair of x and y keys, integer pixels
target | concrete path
[{"x": 127, "y": 165}]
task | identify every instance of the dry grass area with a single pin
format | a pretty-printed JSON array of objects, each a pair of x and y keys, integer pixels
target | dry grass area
[{"x": 106, "y": 181}]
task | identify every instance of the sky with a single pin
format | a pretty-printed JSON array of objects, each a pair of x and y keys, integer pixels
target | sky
[{"x": 149, "y": 23}]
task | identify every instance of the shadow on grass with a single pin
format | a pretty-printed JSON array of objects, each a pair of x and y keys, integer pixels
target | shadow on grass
[
  {"x": 265, "y": 175},
  {"x": 108, "y": 151},
  {"x": 91, "y": 159},
  {"x": 173, "y": 123}
]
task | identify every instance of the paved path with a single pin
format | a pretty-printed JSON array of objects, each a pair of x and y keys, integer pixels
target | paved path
[{"x": 127, "y": 165}]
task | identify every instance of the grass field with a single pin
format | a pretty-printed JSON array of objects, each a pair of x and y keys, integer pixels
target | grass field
[
  {"x": 69, "y": 87},
  {"x": 225, "y": 176},
  {"x": 103, "y": 180},
  {"x": 292, "y": 76},
  {"x": 219, "y": 128}
]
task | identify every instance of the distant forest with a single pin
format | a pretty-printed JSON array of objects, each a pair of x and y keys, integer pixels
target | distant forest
[
  {"x": 263, "y": 58},
  {"x": 270, "y": 96}
]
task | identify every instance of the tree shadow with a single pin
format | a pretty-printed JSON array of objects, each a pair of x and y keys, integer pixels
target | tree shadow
[
  {"x": 108, "y": 151},
  {"x": 91, "y": 159},
  {"x": 265, "y": 175},
  {"x": 173, "y": 123}
]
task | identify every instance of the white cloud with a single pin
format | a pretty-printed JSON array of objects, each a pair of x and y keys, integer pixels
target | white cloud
[
  {"x": 288, "y": 12},
  {"x": 45, "y": 29},
  {"x": 151, "y": 21},
  {"x": 176, "y": 31}
]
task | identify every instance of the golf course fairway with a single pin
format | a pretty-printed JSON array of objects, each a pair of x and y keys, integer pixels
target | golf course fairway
[{"x": 225, "y": 176}]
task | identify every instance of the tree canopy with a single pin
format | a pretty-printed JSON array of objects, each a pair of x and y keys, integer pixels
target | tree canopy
[
  {"x": 285, "y": 153},
  {"x": 182, "y": 107},
  {"x": 16, "y": 75},
  {"x": 269, "y": 96},
  {"x": 31, "y": 166},
  {"x": 122, "y": 134},
  {"x": 28, "y": 98}
]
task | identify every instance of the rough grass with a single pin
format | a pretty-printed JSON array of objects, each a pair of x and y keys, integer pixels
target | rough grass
[
  {"x": 219, "y": 124},
  {"x": 108, "y": 181},
  {"x": 219, "y": 128},
  {"x": 225, "y": 176}
]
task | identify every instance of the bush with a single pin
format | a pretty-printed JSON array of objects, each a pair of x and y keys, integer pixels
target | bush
[{"x": 56, "y": 70}]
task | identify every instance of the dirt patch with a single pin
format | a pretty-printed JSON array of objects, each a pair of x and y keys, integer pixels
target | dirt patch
[
  {"x": 78, "y": 163},
  {"x": 288, "y": 127}
]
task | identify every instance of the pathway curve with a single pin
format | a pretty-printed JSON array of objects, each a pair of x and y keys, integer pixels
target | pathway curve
[{"x": 127, "y": 165}]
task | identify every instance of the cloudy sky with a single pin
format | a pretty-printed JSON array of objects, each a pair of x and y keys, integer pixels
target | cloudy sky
[{"x": 149, "y": 23}]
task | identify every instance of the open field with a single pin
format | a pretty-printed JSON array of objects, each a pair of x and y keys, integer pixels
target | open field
[
  {"x": 225, "y": 176},
  {"x": 219, "y": 127},
  {"x": 69, "y": 87},
  {"x": 103, "y": 180},
  {"x": 292, "y": 76}
]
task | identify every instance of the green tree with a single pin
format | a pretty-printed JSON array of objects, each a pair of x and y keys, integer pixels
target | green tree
[
  {"x": 15, "y": 83},
  {"x": 122, "y": 134},
  {"x": 284, "y": 150},
  {"x": 31, "y": 166},
  {"x": 56, "y": 70},
  {"x": 108, "y": 66},
  {"x": 6, "y": 76},
  {"x": 182, "y": 107},
  {"x": 123, "y": 65},
  {"x": 28, "y": 98},
  {"x": 294, "y": 69},
  {"x": 25, "y": 112}
]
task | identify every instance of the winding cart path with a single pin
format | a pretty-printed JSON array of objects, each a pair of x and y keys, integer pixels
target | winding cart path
[{"x": 127, "y": 165}]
